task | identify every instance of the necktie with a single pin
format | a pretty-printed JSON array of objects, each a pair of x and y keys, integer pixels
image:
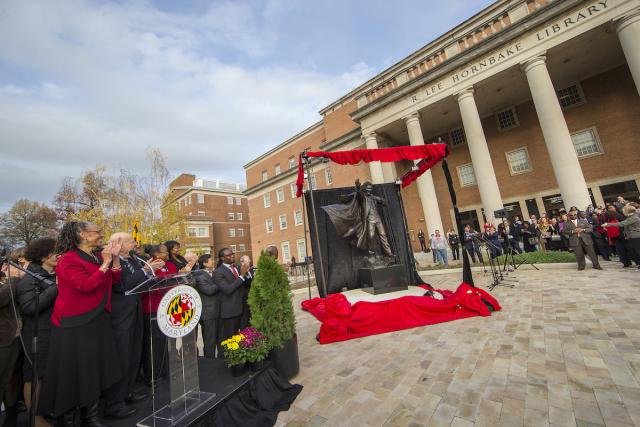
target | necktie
[{"x": 235, "y": 271}]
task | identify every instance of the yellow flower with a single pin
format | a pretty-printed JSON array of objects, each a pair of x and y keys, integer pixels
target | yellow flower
[
  {"x": 234, "y": 346},
  {"x": 236, "y": 338},
  {"x": 242, "y": 336}
]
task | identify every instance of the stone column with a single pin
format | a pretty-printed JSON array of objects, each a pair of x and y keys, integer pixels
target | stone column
[
  {"x": 426, "y": 189},
  {"x": 628, "y": 30},
  {"x": 389, "y": 171},
  {"x": 564, "y": 159},
  {"x": 375, "y": 168},
  {"x": 480, "y": 157}
]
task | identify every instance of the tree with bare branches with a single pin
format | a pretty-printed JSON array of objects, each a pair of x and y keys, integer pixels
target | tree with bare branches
[{"x": 27, "y": 221}]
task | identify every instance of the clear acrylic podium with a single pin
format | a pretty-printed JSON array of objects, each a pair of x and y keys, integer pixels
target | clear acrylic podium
[{"x": 180, "y": 314}]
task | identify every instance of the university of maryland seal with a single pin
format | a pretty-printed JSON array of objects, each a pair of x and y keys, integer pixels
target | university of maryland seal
[{"x": 179, "y": 311}]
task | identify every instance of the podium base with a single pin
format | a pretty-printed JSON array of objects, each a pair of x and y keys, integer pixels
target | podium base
[{"x": 170, "y": 415}]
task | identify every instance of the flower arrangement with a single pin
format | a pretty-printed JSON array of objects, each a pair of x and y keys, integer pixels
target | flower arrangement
[{"x": 248, "y": 346}]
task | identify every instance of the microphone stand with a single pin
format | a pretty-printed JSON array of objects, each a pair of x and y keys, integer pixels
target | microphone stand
[{"x": 37, "y": 289}]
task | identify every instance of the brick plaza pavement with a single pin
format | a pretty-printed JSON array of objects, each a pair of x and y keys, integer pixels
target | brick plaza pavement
[{"x": 564, "y": 351}]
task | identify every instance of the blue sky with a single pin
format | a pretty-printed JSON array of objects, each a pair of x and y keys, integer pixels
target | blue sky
[{"x": 212, "y": 84}]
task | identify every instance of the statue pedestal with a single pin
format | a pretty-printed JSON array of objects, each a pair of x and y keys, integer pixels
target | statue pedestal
[{"x": 380, "y": 280}]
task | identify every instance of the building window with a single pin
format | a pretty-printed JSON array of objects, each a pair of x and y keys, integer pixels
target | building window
[
  {"x": 313, "y": 182},
  {"x": 232, "y": 232},
  {"x": 231, "y": 216},
  {"x": 229, "y": 200},
  {"x": 242, "y": 247},
  {"x": 467, "y": 175},
  {"x": 200, "y": 198},
  {"x": 189, "y": 200},
  {"x": 570, "y": 96},
  {"x": 267, "y": 200},
  {"x": 202, "y": 213},
  {"x": 280, "y": 195},
  {"x": 298, "y": 217},
  {"x": 507, "y": 119},
  {"x": 294, "y": 190},
  {"x": 239, "y": 216},
  {"x": 238, "y": 201},
  {"x": 518, "y": 161},
  {"x": 265, "y": 176},
  {"x": 240, "y": 232},
  {"x": 198, "y": 231},
  {"x": 233, "y": 248},
  {"x": 292, "y": 162},
  {"x": 269, "y": 224},
  {"x": 277, "y": 169},
  {"x": 328, "y": 177},
  {"x": 283, "y": 221},
  {"x": 458, "y": 137},
  {"x": 286, "y": 252},
  {"x": 586, "y": 143},
  {"x": 302, "y": 249}
]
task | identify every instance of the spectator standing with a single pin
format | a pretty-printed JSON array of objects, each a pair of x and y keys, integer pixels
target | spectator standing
[
  {"x": 631, "y": 227},
  {"x": 423, "y": 246},
  {"x": 616, "y": 237},
  {"x": 454, "y": 242},
  {"x": 578, "y": 232},
  {"x": 439, "y": 247},
  {"x": 529, "y": 237},
  {"x": 209, "y": 293},
  {"x": 10, "y": 324}
]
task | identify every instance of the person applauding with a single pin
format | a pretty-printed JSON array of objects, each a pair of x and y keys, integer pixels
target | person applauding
[{"x": 83, "y": 361}]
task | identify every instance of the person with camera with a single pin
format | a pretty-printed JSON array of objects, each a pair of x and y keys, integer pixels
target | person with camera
[
  {"x": 470, "y": 244},
  {"x": 210, "y": 295},
  {"x": 83, "y": 360},
  {"x": 492, "y": 238},
  {"x": 42, "y": 261},
  {"x": 454, "y": 243}
]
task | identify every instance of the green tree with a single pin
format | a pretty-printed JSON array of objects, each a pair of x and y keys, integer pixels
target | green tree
[
  {"x": 270, "y": 302},
  {"x": 27, "y": 221}
]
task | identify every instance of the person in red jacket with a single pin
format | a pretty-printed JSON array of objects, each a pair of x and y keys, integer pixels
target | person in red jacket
[
  {"x": 158, "y": 360},
  {"x": 82, "y": 361}
]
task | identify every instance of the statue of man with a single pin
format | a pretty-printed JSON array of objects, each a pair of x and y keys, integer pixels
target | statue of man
[{"x": 357, "y": 219}]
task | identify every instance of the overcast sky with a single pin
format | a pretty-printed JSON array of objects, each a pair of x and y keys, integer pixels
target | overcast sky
[{"x": 212, "y": 84}]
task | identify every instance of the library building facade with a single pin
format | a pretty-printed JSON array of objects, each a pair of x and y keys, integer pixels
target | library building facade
[{"x": 538, "y": 101}]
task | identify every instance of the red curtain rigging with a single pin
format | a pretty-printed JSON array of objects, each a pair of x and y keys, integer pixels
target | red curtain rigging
[{"x": 430, "y": 154}]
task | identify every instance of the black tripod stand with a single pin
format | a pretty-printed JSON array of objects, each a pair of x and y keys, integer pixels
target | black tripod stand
[
  {"x": 40, "y": 280},
  {"x": 496, "y": 273}
]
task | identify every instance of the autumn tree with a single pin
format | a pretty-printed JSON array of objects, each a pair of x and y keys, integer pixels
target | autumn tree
[
  {"x": 27, "y": 221},
  {"x": 117, "y": 202}
]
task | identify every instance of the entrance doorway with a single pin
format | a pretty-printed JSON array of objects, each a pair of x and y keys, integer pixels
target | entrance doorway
[
  {"x": 626, "y": 189},
  {"x": 471, "y": 218}
]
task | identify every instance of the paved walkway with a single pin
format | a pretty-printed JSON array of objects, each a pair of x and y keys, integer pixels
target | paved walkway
[{"x": 564, "y": 351}]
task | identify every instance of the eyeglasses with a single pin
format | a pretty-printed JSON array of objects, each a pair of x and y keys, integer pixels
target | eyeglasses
[{"x": 93, "y": 231}]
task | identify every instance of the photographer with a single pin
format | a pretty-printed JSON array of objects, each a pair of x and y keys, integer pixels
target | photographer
[
  {"x": 492, "y": 238},
  {"x": 470, "y": 244},
  {"x": 454, "y": 242}
]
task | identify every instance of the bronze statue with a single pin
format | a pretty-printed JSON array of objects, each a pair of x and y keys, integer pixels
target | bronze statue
[{"x": 357, "y": 219}]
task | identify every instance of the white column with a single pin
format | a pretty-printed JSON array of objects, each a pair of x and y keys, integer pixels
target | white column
[
  {"x": 628, "y": 30},
  {"x": 480, "y": 157},
  {"x": 597, "y": 195},
  {"x": 564, "y": 159},
  {"x": 426, "y": 189},
  {"x": 525, "y": 210},
  {"x": 375, "y": 168},
  {"x": 389, "y": 171},
  {"x": 540, "y": 204}
]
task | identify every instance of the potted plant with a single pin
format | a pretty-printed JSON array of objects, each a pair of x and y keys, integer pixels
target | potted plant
[
  {"x": 248, "y": 347},
  {"x": 272, "y": 313}
]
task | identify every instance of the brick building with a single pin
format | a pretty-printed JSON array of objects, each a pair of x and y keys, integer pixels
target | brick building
[
  {"x": 217, "y": 214},
  {"x": 538, "y": 101}
]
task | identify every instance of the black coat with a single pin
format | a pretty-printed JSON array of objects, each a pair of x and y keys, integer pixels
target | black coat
[
  {"x": 124, "y": 307},
  {"x": 209, "y": 293},
  {"x": 231, "y": 292},
  {"x": 25, "y": 296}
]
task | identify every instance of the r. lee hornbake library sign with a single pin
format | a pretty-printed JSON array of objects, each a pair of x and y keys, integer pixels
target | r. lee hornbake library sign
[{"x": 501, "y": 55}]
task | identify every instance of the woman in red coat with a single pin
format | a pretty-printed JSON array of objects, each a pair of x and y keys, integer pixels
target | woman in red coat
[{"x": 82, "y": 360}]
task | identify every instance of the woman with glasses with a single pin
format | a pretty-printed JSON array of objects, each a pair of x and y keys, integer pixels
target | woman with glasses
[{"x": 82, "y": 361}]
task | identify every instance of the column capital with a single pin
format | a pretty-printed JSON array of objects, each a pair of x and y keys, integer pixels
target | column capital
[
  {"x": 411, "y": 117},
  {"x": 464, "y": 93},
  {"x": 629, "y": 18},
  {"x": 370, "y": 135},
  {"x": 533, "y": 62}
]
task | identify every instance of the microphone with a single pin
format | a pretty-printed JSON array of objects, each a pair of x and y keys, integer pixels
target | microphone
[{"x": 133, "y": 255}]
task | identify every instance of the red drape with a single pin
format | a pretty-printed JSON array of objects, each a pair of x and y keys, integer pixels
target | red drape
[
  {"x": 342, "y": 321},
  {"x": 430, "y": 153}
]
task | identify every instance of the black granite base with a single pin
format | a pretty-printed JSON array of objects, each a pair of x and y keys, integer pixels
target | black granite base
[{"x": 380, "y": 280}]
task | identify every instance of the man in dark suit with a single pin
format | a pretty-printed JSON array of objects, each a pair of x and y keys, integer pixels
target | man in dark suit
[
  {"x": 209, "y": 293},
  {"x": 126, "y": 323},
  {"x": 231, "y": 283},
  {"x": 578, "y": 231},
  {"x": 423, "y": 245}
]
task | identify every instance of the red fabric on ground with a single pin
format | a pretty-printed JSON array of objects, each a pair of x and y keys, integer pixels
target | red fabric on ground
[
  {"x": 431, "y": 153},
  {"x": 342, "y": 321}
]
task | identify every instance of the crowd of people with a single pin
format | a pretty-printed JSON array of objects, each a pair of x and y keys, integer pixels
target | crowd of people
[
  {"x": 612, "y": 230},
  {"x": 94, "y": 341}
]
